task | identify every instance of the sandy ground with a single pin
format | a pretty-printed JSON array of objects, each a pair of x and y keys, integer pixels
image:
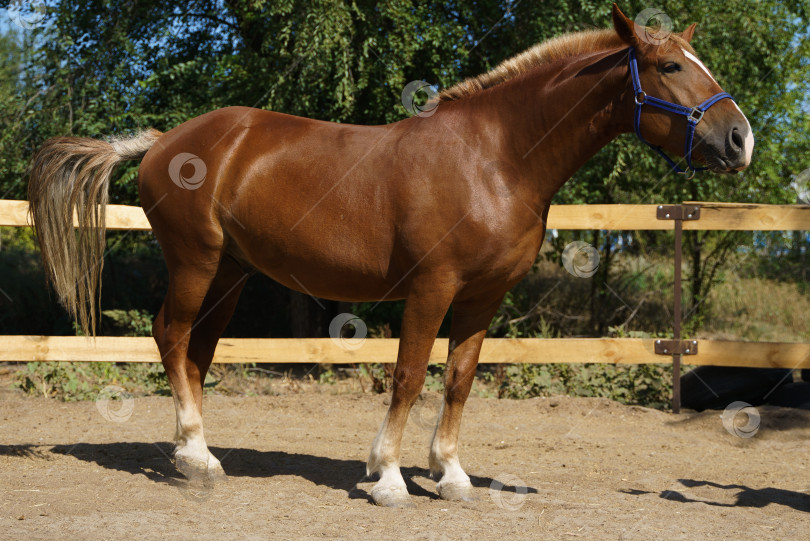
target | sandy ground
[{"x": 558, "y": 468}]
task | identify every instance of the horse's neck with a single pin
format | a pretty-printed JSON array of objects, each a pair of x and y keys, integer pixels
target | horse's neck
[{"x": 559, "y": 117}]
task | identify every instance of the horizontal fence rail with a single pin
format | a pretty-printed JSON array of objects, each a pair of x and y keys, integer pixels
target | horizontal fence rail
[
  {"x": 714, "y": 216},
  {"x": 615, "y": 351},
  {"x": 15, "y": 214},
  {"x": 696, "y": 215}
]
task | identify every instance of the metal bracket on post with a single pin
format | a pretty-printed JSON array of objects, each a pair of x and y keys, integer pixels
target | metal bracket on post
[
  {"x": 678, "y": 212},
  {"x": 677, "y": 347}
]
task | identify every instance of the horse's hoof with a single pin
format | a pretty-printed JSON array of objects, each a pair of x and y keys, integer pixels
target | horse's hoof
[
  {"x": 199, "y": 471},
  {"x": 392, "y": 497},
  {"x": 192, "y": 468},
  {"x": 456, "y": 492}
]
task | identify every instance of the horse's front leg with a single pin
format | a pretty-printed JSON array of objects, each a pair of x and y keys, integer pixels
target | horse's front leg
[
  {"x": 470, "y": 323},
  {"x": 425, "y": 308}
]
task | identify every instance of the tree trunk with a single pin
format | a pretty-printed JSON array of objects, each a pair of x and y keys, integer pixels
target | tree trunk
[{"x": 310, "y": 317}]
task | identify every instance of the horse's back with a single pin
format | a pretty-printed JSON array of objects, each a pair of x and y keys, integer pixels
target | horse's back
[{"x": 291, "y": 195}]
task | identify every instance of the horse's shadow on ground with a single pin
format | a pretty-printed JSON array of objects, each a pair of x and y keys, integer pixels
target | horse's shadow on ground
[
  {"x": 746, "y": 497},
  {"x": 152, "y": 460}
]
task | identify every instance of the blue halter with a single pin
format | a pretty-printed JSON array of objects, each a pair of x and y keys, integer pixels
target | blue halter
[{"x": 693, "y": 117}]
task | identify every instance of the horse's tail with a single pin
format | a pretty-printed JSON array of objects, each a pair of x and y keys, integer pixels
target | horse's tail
[{"x": 71, "y": 175}]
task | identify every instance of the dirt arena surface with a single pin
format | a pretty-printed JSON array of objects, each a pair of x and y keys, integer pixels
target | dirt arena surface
[{"x": 572, "y": 468}]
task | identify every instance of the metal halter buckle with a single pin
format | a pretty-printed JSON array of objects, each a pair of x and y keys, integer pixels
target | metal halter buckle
[
  {"x": 642, "y": 95},
  {"x": 689, "y": 174},
  {"x": 695, "y": 115}
]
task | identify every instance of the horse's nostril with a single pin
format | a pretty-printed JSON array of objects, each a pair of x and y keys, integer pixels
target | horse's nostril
[
  {"x": 735, "y": 144},
  {"x": 736, "y": 140}
]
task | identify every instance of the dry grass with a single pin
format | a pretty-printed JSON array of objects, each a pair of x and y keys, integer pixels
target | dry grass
[{"x": 758, "y": 309}]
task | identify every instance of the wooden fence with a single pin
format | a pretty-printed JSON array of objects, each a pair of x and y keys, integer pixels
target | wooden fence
[
  {"x": 688, "y": 216},
  {"x": 384, "y": 350},
  {"x": 714, "y": 216}
]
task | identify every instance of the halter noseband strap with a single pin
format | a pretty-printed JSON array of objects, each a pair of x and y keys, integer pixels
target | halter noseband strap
[{"x": 693, "y": 116}]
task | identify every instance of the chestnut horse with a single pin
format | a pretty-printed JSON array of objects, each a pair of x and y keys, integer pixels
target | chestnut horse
[{"x": 441, "y": 210}]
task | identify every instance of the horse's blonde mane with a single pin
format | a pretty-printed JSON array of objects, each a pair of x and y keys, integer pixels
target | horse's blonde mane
[{"x": 564, "y": 46}]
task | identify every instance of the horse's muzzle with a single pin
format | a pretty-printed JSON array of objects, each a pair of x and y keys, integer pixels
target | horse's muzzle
[{"x": 732, "y": 152}]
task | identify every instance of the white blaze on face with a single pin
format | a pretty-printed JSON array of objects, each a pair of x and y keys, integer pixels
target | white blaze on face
[
  {"x": 697, "y": 61},
  {"x": 749, "y": 136}
]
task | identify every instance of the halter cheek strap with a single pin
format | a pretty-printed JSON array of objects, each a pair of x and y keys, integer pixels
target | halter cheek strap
[{"x": 693, "y": 117}]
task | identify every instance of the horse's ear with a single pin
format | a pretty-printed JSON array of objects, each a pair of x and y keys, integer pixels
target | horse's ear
[
  {"x": 689, "y": 32},
  {"x": 624, "y": 26}
]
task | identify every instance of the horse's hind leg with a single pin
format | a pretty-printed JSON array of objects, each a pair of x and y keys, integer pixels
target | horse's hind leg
[
  {"x": 198, "y": 305},
  {"x": 213, "y": 317},
  {"x": 424, "y": 310},
  {"x": 470, "y": 323}
]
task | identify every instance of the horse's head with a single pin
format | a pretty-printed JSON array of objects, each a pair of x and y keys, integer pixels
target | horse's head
[{"x": 671, "y": 83}]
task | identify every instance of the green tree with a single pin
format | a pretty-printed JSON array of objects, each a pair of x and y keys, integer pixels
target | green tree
[{"x": 101, "y": 67}]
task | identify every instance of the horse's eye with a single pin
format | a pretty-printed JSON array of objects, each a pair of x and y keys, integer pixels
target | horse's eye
[{"x": 671, "y": 67}]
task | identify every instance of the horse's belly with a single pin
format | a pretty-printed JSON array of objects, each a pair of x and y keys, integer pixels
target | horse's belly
[
  {"x": 331, "y": 280},
  {"x": 324, "y": 266}
]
